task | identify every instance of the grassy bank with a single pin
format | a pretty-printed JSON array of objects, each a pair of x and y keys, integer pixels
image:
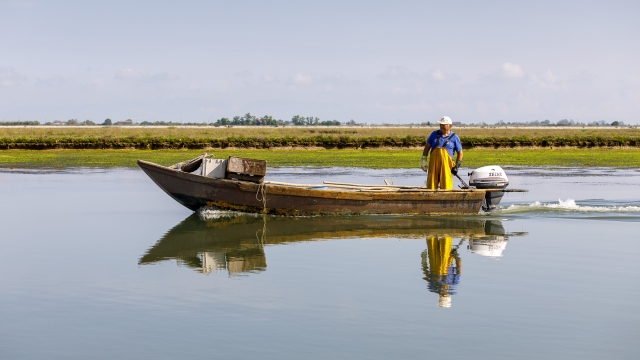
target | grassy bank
[
  {"x": 349, "y": 158},
  {"x": 329, "y": 138}
]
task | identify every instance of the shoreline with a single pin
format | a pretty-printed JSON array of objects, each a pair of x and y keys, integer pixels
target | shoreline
[
  {"x": 309, "y": 148},
  {"x": 406, "y": 158}
]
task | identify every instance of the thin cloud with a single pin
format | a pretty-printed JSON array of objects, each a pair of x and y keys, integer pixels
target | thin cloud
[
  {"x": 338, "y": 80},
  {"x": 549, "y": 76},
  {"x": 399, "y": 72},
  {"x": 10, "y": 77},
  {"x": 438, "y": 75},
  {"x": 300, "y": 79},
  {"x": 512, "y": 70}
]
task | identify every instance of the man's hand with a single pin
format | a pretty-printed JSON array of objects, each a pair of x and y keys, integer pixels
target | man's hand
[
  {"x": 454, "y": 170},
  {"x": 425, "y": 165}
]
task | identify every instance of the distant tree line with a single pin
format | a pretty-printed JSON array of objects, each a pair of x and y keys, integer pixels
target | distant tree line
[
  {"x": 563, "y": 122},
  {"x": 267, "y": 120},
  {"x": 171, "y": 123},
  {"x": 56, "y": 122},
  {"x": 249, "y": 120},
  {"x": 246, "y": 120},
  {"x": 71, "y": 122},
  {"x": 297, "y": 120},
  {"x": 19, "y": 123}
]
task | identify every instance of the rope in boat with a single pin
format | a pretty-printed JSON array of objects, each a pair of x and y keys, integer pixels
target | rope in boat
[{"x": 263, "y": 194}]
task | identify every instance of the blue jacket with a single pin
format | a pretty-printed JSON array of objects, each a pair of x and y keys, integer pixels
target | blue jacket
[{"x": 436, "y": 140}]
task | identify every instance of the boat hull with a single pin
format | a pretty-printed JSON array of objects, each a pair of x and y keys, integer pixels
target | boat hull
[{"x": 195, "y": 191}]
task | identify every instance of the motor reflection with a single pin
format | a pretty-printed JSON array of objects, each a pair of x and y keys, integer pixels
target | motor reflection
[
  {"x": 234, "y": 243},
  {"x": 493, "y": 242}
]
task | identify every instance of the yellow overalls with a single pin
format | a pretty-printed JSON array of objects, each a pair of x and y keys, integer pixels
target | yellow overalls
[{"x": 440, "y": 166}]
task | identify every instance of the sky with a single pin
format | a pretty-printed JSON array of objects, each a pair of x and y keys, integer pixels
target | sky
[{"x": 371, "y": 61}]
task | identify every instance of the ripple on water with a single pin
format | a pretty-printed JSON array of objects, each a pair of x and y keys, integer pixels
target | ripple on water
[{"x": 569, "y": 207}]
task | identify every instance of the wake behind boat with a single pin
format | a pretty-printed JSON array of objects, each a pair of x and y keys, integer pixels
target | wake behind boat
[{"x": 238, "y": 184}]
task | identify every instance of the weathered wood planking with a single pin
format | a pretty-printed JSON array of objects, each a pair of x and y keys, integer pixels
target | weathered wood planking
[
  {"x": 246, "y": 169},
  {"x": 246, "y": 166}
]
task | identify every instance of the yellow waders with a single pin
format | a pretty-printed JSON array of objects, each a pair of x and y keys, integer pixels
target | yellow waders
[
  {"x": 440, "y": 257},
  {"x": 440, "y": 166}
]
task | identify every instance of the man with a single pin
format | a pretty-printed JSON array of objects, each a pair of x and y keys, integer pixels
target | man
[{"x": 441, "y": 145}]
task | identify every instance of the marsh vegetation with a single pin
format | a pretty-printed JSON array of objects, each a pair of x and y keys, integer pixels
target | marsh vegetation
[{"x": 306, "y": 137}]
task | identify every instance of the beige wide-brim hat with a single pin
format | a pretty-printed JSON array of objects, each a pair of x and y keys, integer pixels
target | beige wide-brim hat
[{"x": 445, "y": 121}]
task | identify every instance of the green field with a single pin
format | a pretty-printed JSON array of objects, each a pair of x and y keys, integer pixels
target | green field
[
  {"x": 378, "y": 158},
  {"x": 106, "y": 137}
]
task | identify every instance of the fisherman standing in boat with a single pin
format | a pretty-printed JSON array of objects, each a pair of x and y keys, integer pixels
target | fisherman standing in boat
[{"x": 442, "y": 144}]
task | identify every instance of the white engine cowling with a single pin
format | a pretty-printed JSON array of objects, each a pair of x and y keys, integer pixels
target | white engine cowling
[{"x": 489, "y": 177}]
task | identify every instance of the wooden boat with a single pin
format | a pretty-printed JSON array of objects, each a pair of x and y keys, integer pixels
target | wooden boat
[{"x": 246, "y": 191}]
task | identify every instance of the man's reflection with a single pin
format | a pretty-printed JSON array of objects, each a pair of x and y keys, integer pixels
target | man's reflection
[
  {"x": 441, "y": 262},
  {"x": 442, "y": 267}
]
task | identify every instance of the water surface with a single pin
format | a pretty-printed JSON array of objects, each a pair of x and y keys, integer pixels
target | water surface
[{"x": 102, "y": 264}]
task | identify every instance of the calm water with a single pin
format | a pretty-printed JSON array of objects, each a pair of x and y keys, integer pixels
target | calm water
[{"x": 102, "y": 265}]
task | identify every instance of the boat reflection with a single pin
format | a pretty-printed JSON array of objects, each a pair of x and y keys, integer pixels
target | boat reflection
[{"x": 235, "y": 243}]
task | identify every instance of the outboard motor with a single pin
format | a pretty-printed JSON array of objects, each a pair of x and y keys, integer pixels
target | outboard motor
[{"x": 490, "y": 177}]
